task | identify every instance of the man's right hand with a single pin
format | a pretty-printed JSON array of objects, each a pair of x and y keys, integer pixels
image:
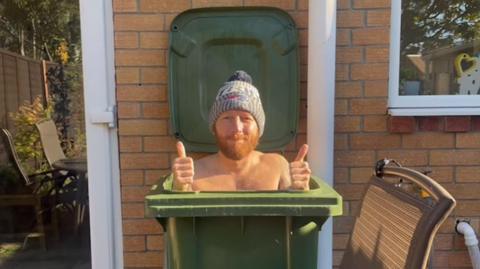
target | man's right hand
[{"x": 182, "y": 170}]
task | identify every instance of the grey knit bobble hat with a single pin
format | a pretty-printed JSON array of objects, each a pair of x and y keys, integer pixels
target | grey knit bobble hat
[{"x": 238, "y": 93}]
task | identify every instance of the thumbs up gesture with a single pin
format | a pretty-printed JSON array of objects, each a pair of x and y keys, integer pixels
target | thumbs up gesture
[
  {"x": 299, "y": 170},
  {"x": 182, "y": 170}
]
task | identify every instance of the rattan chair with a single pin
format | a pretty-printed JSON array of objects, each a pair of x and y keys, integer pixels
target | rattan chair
[
  {"x": 400, "y": 214},
  {"x": 41, "y": 191}
]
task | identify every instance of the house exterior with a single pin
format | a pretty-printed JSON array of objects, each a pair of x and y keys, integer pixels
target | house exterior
[{"x": 364, "y": 132}]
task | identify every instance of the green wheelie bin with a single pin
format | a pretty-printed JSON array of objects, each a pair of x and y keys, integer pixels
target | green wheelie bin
[{"x": 254, "y": 229}]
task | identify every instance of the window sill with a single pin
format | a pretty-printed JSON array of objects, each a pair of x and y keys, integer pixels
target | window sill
[{"x": 450, "y": 111}]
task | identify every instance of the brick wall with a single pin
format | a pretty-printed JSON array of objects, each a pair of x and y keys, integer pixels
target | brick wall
[{"x": 364, "y": 133}]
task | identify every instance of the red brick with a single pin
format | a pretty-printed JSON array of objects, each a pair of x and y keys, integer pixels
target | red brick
[
  {"x": 374, "y": 141},
  {"x": 164, "y": 5},
  {"x": 216, "y": 3},
  {"x": 375, "y": 123},
  {"x": 282, "y": 4},
  {"x": 343, "y": 4},
  {"x": 153, "y": 176},
  {"x": 370, "y": 71},
  {"x": 430, "y": 124},
  {"x": 134, "y": 193},
  {"x": 142, "y": 127},
  {"x": 126, "y": 40},
  {"x": 341, "y": 106},
  {"x": 302, "y": 4},
  {"x": 300, "y": 18},
  {"x": 350, "y": 19},
  {"x": 341, "y": 175},
  {"x": 340, "y": 141},
  {"x": 443, "y": 241},
  {"x": 131, "y": 177},
  {"x": 371, "y": 36},
  {"x": 127, "y": 75},
  {"x": 144, "y": 161},
  {"x": 464, "y": 191},
  {"x": 343, "y": 224},
  {"x": 344, "y": 37},
  {"x": 401, "y": 124},
  {"x": 142, "y": 93},
  {"x": 154, "y": 40},
  {"x": 347, "y": 124},
  {"x": 155, "y": 110},
  {"x": 377, "y": 55},
  {"x": 124, "y": 6},
  {"x": 133, "y": 210},
  {"x": 455, "y": 157},
  {"x": 337, "y": 257},
  {"x": 134, "y": 243},
  {"x": 342, "y": 72},
  {"x": 349, "y": 158},
  {"x": 442, "y": 174},
  {"x": 467, "y": 174},
  {"x": 376, "y": 88},
  {"x": 349, "y": 55},
  {"x": 143, "y": 259},
  {"x": 130, "y": 144},
  {"x": 378, "y": 17},
  {"x": 475, "y": 123},
  {"x": 369, "y": 106},
  {"x": 128, "y": 110},
  {"x": 429, "y": 140},
  {"x": 139, "y": 57},
  {"x": 371, "y": 3},
  {"x": 141, "y": 227},
  {"x": 457, "y": 124},
  {"x": 155, "y": 242},
  {"x": 468, "y": 140},
  {"x": 134, "y": 22},
  {"x": 468, "y": 208},
  {"x": 303, "y": 37},
  {"x": 153, "y": 75},
  {"x": 348, "y": 89},
  {"x": 405, "y": 157},
  {"x": 160, "y": 144},
  {"x": 360, "y": 175}
]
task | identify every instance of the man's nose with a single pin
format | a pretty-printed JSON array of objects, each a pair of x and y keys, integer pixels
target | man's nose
[{"x": 237, "y": 124}]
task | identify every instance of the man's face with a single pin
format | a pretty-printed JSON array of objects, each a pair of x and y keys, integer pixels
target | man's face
[{"x": 236, "y": 132}]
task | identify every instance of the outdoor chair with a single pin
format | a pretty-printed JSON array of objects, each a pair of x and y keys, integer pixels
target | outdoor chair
[
  {"x": 400, "y": 214},
  {"x": 41, "y": 191},
  {"x": 50, "y": 142}
]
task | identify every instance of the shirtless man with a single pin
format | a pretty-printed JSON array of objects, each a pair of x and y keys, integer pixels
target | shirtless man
[{"x": 237, "y": 120}]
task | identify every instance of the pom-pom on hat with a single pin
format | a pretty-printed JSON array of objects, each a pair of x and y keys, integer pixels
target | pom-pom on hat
[{"x": 238, "y": 93}]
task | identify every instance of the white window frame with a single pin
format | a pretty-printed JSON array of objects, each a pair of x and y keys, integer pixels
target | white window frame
[
  {"x": 420, "y": 105},
  {"x": 96, "y": 18}
]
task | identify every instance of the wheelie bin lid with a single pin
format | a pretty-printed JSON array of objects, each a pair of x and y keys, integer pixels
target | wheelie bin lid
[
  {"x": 208, "y": 44},
  {"x": 320, "y": 200}
]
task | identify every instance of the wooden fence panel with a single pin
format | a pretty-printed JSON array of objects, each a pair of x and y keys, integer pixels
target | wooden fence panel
[
  {"x": 11, "y": 86},
  {"x": 3, "y": 109},
  {"x": 21, "y": 79}
]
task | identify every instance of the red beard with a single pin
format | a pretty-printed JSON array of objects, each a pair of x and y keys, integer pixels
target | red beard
[{"x": 238, "y": 146}]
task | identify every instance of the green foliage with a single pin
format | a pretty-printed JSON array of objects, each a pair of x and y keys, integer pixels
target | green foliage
[
  {"x": 27, "y": 138},
  {"x": 436, "y": 23},
  {"x": 8, "y": 179},
  {"x": 41, "y": 29}
]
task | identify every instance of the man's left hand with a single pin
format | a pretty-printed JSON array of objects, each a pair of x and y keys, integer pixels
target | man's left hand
[{"x": 300, "y": 171}]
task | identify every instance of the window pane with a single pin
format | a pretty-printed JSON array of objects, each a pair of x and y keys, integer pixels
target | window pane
[{"x": 440, "y": 47}]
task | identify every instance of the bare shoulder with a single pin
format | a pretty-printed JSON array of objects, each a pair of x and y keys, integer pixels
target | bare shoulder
[{"x": 275, "y": 159}]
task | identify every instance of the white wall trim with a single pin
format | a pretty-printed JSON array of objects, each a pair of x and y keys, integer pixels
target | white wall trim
[
  {"x": 321, "y": 99},
  {"x": 96, "y": 18},
  {"x": 423, "y": 104}
]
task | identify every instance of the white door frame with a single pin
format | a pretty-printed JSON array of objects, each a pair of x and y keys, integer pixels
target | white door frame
[{"x": 96, "y": 18}]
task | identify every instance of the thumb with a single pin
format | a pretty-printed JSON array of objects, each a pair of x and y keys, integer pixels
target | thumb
[
  {"x": 181, "y": 150},
  {"x": 302, "y": 153}
]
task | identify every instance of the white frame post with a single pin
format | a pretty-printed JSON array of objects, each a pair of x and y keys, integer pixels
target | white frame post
[
  {"x": 96, "y": 18},
  {"x": 321, "y": 99}
]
